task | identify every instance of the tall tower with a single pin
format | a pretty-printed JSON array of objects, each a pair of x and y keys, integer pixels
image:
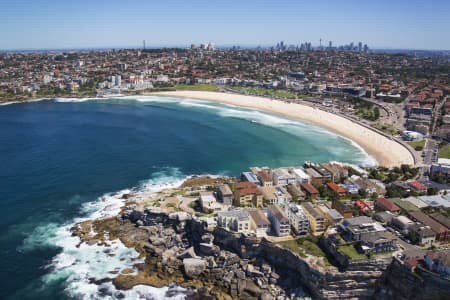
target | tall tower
[{"x": 143, "y": 43}]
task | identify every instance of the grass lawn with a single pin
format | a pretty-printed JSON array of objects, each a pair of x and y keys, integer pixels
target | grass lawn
[
  {"x": 304, "y": 246},
  {"x": 444, "y": 151},
  {"x": 417, "y": 145},
  {"x": 388, "y": 128},
  {"x": 351, "y": 252},
  {"x": 267, "y": 92},
  {"x": 197, "y": 87}
]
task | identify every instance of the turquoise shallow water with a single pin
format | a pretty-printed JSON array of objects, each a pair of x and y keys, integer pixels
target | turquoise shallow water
[{"x": 58, "y": 155}]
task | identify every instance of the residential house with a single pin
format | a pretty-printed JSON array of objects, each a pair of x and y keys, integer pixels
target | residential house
[
  {"x": 442, "y": 232},
  {"x": 415, "y": 201},
  {"x": 310, "y": 190},
  {"x": 436, "y": 200},
  {"x": 247, "y": 194},
  {"x": 402, "y": 223},
  {"x": 425, "y": 236},
  {"x": 362, "y": 206},
  {"x": 259, "y": 222},
  {"x": 249, "y": 177},
  {"x": 275, "y": 195},
  {"x": 338, "y": 172},
  {"x": 279, "y": 220},
  {"x": 365, "y": 184},
  {"x": 383, "y": 204},
  {"x": 234, "y": 220},
  {"x": 317, "y": 222},
  {"x": 384, "y": 217},
  {"x": 417, "y": 186},
  {"x": 440, "y": 218},
  {"x": 345, "y": 208},
  {"x": 265, "y": 178},
  {"x": 333, "y": 216},
  {"x": 337, "y": 189},
  {"x": 354, "y": 229},
  {"x": 351, "y": 188},
  {"x": 296, "y": 193},
  {"x": 281, "y": 176},
  {"x": 225, "y": 194},
  {"x": 438, "y": 261},
  {"x": 378, "y": 242},
  {"x": 301, "y": 176},
  {"x": 326, "y": 175},
  {"x": 297, "y": 218},
  {"x": 208, "y": 203},
  {"x": 315, "y": 177}
]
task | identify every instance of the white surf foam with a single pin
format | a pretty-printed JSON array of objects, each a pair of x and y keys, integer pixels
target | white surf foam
[{"x": 79, "y": 265}]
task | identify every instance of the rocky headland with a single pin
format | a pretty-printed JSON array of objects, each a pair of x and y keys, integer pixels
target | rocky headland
[{"x": 177, "y": 249}]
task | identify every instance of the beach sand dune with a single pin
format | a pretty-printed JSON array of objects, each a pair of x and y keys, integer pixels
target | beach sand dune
[{"x": 385, "y": 150}]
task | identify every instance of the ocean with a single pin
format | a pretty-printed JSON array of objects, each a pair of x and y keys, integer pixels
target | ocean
[{"x": 60, "y": 156}]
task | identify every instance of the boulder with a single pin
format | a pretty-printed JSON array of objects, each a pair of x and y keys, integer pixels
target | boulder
[
  {"x": 207, "y": 238},
  {"x": 193, "y": 267},
  {"x": 188, "y": 253},
  {"x": 252, "y": 289},
  {"x": 208, "y": 249},
  {"x": 240, "y": 274}
]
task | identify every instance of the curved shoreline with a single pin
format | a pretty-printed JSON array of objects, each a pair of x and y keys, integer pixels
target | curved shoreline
[{"x": 388, "y": 152}]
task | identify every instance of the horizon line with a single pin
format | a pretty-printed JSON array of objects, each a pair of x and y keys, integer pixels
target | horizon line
[{"x": 183, "y": 46}]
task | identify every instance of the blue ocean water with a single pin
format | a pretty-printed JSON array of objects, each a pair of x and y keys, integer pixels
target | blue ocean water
[{"x": 60, "y": 154}]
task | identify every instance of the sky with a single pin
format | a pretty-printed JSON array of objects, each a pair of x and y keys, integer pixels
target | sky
[{"x": 45, "y": 24}]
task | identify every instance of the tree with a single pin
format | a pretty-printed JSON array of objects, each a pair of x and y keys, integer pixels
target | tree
[{"x": 432, "y": 191}]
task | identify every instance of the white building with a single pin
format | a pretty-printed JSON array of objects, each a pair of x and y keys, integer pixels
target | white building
[
  {"x": 234, "y": 220},
  {"x": 275, "y": 195},
  {"x": 209, "y": 203},
  {"x": 282, "y": 176},
  {"x": 297, "y": 218},
  {"x": 118, "y": 80},
  {"x": 279, "y": 220},
  {"x": 259, "y": 222},
  {"x": 301, "y": 176}
]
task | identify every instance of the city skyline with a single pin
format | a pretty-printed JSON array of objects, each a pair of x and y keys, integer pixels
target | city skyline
[{"x": 107, "y": 24}]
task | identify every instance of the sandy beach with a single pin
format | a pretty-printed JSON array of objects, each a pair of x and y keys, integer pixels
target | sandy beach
[{"x": 386, "y": 151}]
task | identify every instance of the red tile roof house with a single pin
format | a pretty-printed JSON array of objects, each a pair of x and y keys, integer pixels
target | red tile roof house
[
  {"x": 362, "y": 206},
  {"x": 417, "y": 186},
  {"x": 386, "y": 205},
  {"x": 336, "y": 188},
  {"x": 310, "y": 190}
]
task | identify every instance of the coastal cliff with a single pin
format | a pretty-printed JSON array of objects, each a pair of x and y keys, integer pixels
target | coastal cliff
[
  {"x": 398, "y": 282},
  {"x": 220, "y": 264}
]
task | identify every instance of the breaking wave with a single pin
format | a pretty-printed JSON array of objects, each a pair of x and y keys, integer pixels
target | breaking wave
[{"x": 80, "y": 266}]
